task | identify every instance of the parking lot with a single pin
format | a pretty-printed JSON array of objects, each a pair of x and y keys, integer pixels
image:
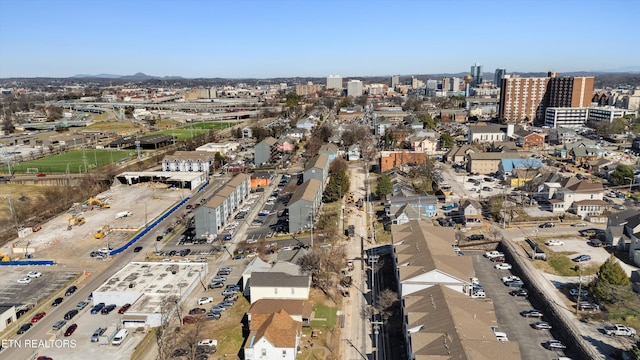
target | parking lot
[
  {"x": 11, "y": 292},
  {"x": 508, "y": 310}
]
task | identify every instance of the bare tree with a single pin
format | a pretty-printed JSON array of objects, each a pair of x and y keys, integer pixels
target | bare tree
[{"x": 386, "y": 300}]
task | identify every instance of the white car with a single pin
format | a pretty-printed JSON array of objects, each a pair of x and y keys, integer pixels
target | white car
[
  {"x": 205, "y": 300},
  {"x": 502, "y": 266},
  {"x": 208, "y": 342},
  {"x": 554, "y": 243},
  {"x": 492, "y": 254},
  {"x": 510, "y": 278},
  {"x": 24, "y": 280},
  {"x": 34, "y": 274}
]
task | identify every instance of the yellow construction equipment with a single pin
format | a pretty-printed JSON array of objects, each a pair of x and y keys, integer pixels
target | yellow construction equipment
[
  {"x": 102, "y": 232},
  {"x": 75, "y": 220},
  {"x": 4, "y": 258},
  {"x": 94, "y": 201}
]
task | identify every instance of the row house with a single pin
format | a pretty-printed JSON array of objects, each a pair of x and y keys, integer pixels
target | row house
[
  {"x": 211, "y": 217},
  {"x": 187, "y": 161},
  {"x": 303, "y": 204},
  {"x": 330, "y": 151},
  {"x": 317, "y": 168},
  {"x": 265, "y": 152}
]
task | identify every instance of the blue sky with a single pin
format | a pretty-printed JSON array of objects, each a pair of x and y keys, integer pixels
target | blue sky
[{"x": 264, "y": 39}]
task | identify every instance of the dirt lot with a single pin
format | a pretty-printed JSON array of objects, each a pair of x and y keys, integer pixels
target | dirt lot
[{"x": 55, "y": 242}]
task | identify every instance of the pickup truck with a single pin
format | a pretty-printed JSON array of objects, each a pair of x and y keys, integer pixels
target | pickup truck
[
  {"x": 447, "y": 207},
  {"x": 619, "y": 330},
  {"x": 493, "y": 254}
]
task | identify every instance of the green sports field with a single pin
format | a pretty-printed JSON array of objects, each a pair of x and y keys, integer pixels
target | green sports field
[
  {"x": 70, "y": 161},
  {"x": 209, "y": 125}
]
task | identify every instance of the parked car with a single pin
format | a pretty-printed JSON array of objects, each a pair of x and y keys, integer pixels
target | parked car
[
  {"x": 37, "y": 317},
  {"x": 519, "y": 292},
  {"x": 581, "y": 258},
  {"x": 59, "y": 324},
  {"x": 554, "y": 242},
  {"x": 124, "y": 308},
  {"x": 70, "y": 314},
  {"x": 506, "y": 279},
  {"x": 546, "y": 225},
  {"x": 475, "y": 237},
  {"x": 219, "y": 279},
  {"x": 81, "y": 305},
  {"x": 497, "y": 259},
  {"x": 57, "y": 301},
  {"x": 227, "y": 292},
  {"x": 581, "y": 224},
  {"x": 216, "y": 285},
  {"x": 502, "y": 266},
  {"x": 34, "y": 274},
  {"x": 541, "y": 325},
  {"x": 24, "y": 280},
  {"x": 70, "y": 330},
  {"x": 619, "y": 330},
  {"x": 204, "y": 300},
  {"x": 96, "y": 334},
  {"x": 190, "y": 319},
  {"x": 554, "y": 345},
  {"x": 137, "y": 249},
  {"x": 70, "y": 290},
  {"x": 24, "y": 328},
  {"x": 588, "y": 306},
  {"x": 107, "y": 309},
  {"x": 97, "y": 308},
  {"x": 213, "y": 315},
  {"x": 491, "y": 254},
  {"x": 531, "y": 313},
  {"x": 197, "y": 311}
]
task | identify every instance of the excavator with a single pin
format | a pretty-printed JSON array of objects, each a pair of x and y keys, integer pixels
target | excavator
[
  {"x": 75, "y": 220},
  {"x": 101, "y": 204},
  {"x": 104, "y": 231}
]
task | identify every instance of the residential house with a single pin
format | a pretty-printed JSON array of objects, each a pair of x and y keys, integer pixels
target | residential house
[
  {"x": 458, "y": 154},
  {"x": 273, "y": 336},
  {"x": 247, "y": 132},
  {"x": 471, "y": 211},
  {"x": 299, "y": 310},
  {"x": 583, "y": 198},
  {"x": 484, "y": 163},
  {"x": 382, "y": 124},
  {"x": 424, "y": 204},
  {"x": 261, "y": 179},
  {"x": 404, "y": 214},
  {"x": 413, "y": 122},
  {"x": 295, "y": 133},
  {"x": 390, "y": 160},
  {"x": 222, "y": 148},
  {"x": 622, "y": 230},
  {"x": 353, "y": 154},
  {"x": 529, "y": 140},
  {"x": 255, "y": 265},
  {"x": 330, "y": 150},
  {"x": 317, "y": 168},
  {"x": 188, "y": 161},
  {"x": 306, "y": 124},
  {"x": 426, "y": 144},
  {"x": 285, "y": 145},
  {"x": 423, "y": 257},
  {"x": 489, "y": 133},
  {"x": 284, "y": 281},
  {"x": 265, "y": 151},
  {"x": 303, "y": 204}
]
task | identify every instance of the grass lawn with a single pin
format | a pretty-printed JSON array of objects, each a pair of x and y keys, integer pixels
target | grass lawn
[
  {"x": 180, "y": 134},
  {"x": 58, "y": 164},
  {"x": 120, "y": 127},
  {"x": 217, "y": 125},
  {"x": 324, "y": 312}
]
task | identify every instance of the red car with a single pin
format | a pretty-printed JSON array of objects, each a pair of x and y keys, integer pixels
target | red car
[
  {"x": 44, "y": 358},
  {"x": 190, "y": 320},
  {"x": 41, "y": 175},
  {"x": 70, "y": 330},
  {"x": 37, "y": 317},
  {"x": 124, "y": 308}
]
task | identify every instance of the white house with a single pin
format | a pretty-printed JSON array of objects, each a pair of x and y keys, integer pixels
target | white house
[
  {"x": 353, "y": 153},
  {"x": 307, "y": 124},
  {"x": 283, "y": 281},
  {"x": 490, "y": 133},
  {"x": 273, "y": 336},
  {"x": 188, "y": 161},
  {"x": 222, "y": 148}
]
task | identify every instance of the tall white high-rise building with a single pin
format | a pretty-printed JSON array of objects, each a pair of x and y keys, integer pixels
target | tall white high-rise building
[
  {"x": 334, "y": 82},
  {"x": 354, "y": 88},
  {"x": 455, "y": 84}
]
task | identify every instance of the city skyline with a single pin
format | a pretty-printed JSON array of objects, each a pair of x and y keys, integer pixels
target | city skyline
[{"x": 252, "y": 39}]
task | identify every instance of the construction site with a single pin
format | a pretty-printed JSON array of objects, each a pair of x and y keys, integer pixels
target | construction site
[{"x": 105, "y": 221}]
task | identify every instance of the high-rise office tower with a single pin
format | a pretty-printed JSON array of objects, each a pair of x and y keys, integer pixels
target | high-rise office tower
[
  {"x": 395, "y": 80},
  {"x": 334, "y": 82},
  {"x": 354, "y": 88},
  {"x": 498, "y": 76},
  {"x": 432, "y": 84},
  {"x": 476, "y": 72},
  {"x": 455, "y": 84},
  {"x": 446, "y": 84}
]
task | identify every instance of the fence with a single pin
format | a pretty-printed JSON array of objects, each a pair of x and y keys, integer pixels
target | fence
[
  {"x": 28, "y": 263},
  {"x": 150, "y": 227}
]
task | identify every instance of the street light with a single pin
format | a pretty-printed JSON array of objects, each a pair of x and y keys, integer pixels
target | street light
[{"x": 630, "y": 183}]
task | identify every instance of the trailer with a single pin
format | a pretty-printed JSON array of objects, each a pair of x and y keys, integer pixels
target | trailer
[{"x": 107, "y": 336}]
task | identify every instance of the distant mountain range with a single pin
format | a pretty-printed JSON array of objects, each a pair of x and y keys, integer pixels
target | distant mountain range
[{"x": 135, "y": 77}]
